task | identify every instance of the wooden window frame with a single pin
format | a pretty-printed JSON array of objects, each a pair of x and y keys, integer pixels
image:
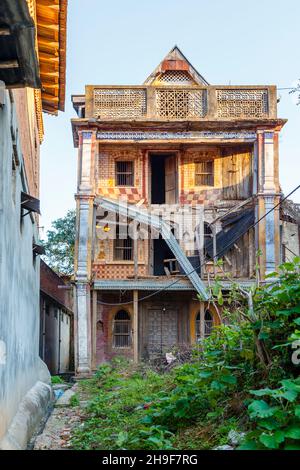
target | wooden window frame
[
  {"x": 127, "y": 339},
  {"x": 124, "y": 178},
  {"x": 122, "y": 245},
  {"x": 204, "y": 176}
]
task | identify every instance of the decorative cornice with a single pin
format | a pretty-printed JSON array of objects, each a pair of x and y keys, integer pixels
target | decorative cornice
[{"x": 168, "y": 135}]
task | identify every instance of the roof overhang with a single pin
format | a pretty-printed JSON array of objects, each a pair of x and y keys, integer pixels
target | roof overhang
[
  {"x": 157, "y": 284},
  {"x": 217, "y": 126},
  {"x": 51, "y": 21},
  {"x": 18, "y": 59}
]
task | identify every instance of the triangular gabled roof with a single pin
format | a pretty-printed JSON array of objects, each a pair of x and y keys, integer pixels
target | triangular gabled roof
[{"x": 176, "y": 60}]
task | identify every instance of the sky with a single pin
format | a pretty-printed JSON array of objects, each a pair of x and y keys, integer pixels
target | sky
[{"x": 120, "y": 42}]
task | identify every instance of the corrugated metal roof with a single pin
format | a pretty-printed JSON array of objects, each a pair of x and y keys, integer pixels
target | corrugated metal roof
[
  {"x": 155, "y": 221},
  {"x": 154, "y": 284}
]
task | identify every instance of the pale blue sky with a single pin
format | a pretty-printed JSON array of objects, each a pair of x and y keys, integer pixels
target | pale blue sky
[{"x": 121, "y": 42}]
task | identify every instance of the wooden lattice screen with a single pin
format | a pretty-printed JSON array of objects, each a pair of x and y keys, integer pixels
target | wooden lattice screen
[
  {"x": 175, "y": 77},
  {"x": 119, "y": 103},
  {"x": 242, "y": 103},
  {"x": 181, "y": 103}
]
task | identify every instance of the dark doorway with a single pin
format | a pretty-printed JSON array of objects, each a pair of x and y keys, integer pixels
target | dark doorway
[
  {"x": 158, "y": 184},
  {"x": 161, "y": 253},
  {"x": 163, "y": 178}
]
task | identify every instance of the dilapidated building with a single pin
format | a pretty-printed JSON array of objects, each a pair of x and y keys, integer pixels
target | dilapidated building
[
  {"x": 32, "y": 80},
  {"x": 147, "y": 155}
]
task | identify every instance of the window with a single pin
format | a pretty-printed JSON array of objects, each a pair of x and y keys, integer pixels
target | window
[
  {"x": 204, "y": 173},
  {"x": 124, "y": 174},
  {"x": 208, "y": 325},
  {"x": 122, "y": 330},
  {"x": 123, "y": 247}
]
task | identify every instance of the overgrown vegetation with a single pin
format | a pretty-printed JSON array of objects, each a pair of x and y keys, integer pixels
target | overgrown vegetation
[
  {"x": 244, "y": 377},
  {"x": 56, "y": 379},
  {"x": 60, "y": 244}
]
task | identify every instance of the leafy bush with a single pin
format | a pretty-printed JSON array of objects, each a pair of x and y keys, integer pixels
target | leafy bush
[
  {"x": 196, "y": 404},
  {"x": 56, "y": 379},
  {"x": 277, "y": 419}
]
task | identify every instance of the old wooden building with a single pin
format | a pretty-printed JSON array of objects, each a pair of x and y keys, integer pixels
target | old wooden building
[{"x": 147, "y": 155}]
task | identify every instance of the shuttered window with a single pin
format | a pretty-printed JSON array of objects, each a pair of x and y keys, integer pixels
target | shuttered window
[
  {"x": 124, "y": 174},
  {"x": 204, "y": 173},
  {"x": 122, "y": 330}
]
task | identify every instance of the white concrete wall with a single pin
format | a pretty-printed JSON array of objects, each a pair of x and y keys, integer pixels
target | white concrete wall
[
  {"x": 57, "y": 338},
  {"x": 19, "y": 282},
  {"x": 65, "y": 333}
]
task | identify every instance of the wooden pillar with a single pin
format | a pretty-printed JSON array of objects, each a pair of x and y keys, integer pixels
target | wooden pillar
[
  {"x": 135, "y": 249},
  {"x": 135, "y": 326},
  {"x": 202, "y": 323}
]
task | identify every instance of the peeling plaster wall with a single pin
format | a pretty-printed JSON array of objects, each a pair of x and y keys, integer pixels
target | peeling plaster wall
[
  {"x": 290, "y": 240},
  {"x": 20, "y": 366}
]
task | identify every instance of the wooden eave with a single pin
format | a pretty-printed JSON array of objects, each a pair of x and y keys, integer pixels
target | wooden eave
[
  {"x": 51, "y": 21},
  {"x": 18, "y": 59},
  {"x": 88, "y": 124}
]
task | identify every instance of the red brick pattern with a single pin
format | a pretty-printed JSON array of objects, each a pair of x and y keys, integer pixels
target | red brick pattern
[{"x": 117, "y": 271}]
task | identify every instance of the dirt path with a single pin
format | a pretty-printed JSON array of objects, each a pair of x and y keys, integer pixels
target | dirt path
[{"x": 57, "y": 431}]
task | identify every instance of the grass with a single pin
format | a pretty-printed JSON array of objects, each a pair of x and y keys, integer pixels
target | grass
[{"x": 118, "y": 397}]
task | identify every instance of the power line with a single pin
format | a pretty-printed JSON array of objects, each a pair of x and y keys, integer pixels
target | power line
[{"x": 158, "y": 291}]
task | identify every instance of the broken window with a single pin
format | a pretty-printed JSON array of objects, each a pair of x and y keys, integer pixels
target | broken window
[
  {"x": 208, "y": 325},
  {"x": 124, "y": 174},
  {"x": 204, "y": 173},
  {"x": 122, "y": 330},
  {"x": 123, "y": 247}
]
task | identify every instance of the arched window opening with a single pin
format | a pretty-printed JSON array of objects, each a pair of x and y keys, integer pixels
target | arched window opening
[
  {"x": 208, "y": 325},
  {"x": 122, "y": 330}
]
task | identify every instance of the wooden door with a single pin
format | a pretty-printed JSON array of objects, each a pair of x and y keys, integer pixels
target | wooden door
[
  {"x": 236, "y": 174},
  {"x": 171, "y": 179},
  {"x": 162, "y": 331}
]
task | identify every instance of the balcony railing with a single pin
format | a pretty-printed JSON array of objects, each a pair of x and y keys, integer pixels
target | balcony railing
[{"x": 181, "y": 103}]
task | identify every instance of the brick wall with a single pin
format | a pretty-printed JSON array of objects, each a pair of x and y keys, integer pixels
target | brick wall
[
  {"x": 49, "y": 285},
  {"x": 104, "y": 336}
]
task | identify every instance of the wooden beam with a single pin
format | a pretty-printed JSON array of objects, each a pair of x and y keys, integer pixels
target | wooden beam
[
  {"x": 9, "y": 64},
  {"x": 48, "y": 67},
  {"x": 49, "y": 98},
  {"x": 48, "y": 32},
  {"x": 44, "y": 56},
  {"x": 49, "y": 77}
]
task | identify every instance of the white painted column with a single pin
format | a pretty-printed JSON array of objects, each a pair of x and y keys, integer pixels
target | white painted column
[
  {"x": 268, "y": 192},
  {"x": 82, "y": 275}
]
